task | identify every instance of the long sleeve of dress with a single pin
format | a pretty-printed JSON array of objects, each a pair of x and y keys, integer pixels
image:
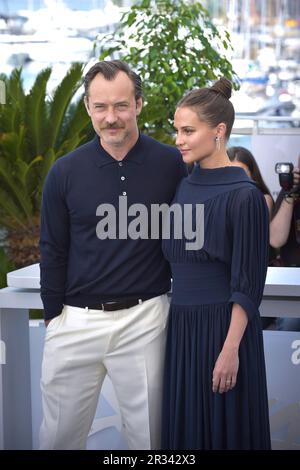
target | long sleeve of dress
[
  {"x": 54, "y": 245},
  {"x": 250, "y": 247}
]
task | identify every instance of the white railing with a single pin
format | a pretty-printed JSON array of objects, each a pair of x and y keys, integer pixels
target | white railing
[{"x": 255, "y": 125}]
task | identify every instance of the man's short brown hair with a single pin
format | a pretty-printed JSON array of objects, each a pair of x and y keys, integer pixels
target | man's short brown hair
[{"x": 109, "y": 69}]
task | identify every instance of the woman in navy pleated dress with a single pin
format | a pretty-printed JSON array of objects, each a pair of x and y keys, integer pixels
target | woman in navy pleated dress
[{"x": 215, "y": 394}]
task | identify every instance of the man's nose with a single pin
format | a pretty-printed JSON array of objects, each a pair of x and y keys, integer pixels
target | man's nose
[{"x": 111, "y": 117}]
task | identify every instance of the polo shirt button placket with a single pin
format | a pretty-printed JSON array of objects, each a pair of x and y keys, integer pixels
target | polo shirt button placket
[{"x": 122, "y": 178}]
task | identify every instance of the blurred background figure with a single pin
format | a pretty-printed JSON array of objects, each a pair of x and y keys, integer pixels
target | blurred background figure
[
  {"x": 285, "y": 235},
  {"x": 243, "y": 158}
]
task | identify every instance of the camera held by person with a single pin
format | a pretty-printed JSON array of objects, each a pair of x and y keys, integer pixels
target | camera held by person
[
  {"x": 285, "y": 224},
  {"x": 287, "y": 179},
  {"x": 285, "y": 227}
]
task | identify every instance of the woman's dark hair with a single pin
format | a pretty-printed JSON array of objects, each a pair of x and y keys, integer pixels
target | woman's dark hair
[
  {"x": 212, "y": 104},
  {"x": 243, "y": 155},
  {"x": 109, "y": 69}
]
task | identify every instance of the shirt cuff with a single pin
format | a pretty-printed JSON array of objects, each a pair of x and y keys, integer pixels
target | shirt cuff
[{"x": 52, "y": 306}]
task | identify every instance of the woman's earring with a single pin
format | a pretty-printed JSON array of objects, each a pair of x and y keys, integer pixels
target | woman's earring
[{"x": 218, "y": 143}]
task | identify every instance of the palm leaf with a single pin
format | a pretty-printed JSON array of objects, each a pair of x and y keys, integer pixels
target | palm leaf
[
  {"x": 36, "y": 113},
  {"x": 33, "y": 183},
  {"x": 11, "y": 113},
  {"x": 68, "y": 145},
  {"x": 47, "y": 162},
  {"x": 17, "y": 95},
  {"x": 77, "y": 121},
  {"x": 12, "y": 181},
  {"x": 30, "y": 126},
  {"x": 61, "y": 100},
  {"x": 9, "y": 212}
]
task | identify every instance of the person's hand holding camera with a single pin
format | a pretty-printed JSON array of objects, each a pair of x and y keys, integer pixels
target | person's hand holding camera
[
  {"x": 296, "y": 175},
  {"x": 296, "y": 180}
]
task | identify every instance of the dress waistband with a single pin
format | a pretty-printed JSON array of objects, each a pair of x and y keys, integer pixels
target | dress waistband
[{"x": 200, "y": 283}]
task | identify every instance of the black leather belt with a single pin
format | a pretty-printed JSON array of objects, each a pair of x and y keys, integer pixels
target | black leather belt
[{"x": 119, "y": 305}]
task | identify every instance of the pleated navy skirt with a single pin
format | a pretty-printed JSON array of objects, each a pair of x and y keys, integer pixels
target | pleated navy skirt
[{"x": 193, "y": 416}]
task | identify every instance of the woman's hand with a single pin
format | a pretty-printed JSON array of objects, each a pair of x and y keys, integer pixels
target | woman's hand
[
  {"x": 226, "y": 369},
  {"x": 296, "y": 174}
]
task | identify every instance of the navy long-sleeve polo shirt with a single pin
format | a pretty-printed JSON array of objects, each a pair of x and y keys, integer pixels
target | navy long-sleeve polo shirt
[{"x": 79, "y": 268}]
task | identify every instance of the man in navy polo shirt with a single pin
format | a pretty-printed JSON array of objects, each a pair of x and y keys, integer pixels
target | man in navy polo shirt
[{"x": 104, "y": 291}]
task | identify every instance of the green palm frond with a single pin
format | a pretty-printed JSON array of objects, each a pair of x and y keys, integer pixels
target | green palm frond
[
  {"x": 10, "y": 215},
  {"x": 24, "y": 168},
  {"x": 33, "y": 183},
  {"x": 60, "y": 102},
  {"x": 77, "y": 123},
  {"x": 34, "y": 131},
  {"x": 36, "y": 118},
  {"x": 13, "y": 182},
  {"x": 11, "y": 112},
  {"x": 12, "y": 145},
  {"x": 15, "y": 89},
  {"x": 46, "y": 163}
]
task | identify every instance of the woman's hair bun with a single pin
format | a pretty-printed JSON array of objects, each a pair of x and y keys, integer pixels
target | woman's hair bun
[{"x": 223, "y": 86}]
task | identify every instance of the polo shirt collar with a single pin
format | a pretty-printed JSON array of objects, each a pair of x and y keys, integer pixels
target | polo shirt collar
[{"x": 135, "y": 154}]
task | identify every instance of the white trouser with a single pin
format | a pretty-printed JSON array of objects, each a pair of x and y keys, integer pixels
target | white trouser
[{"x": 81, "y": 347}]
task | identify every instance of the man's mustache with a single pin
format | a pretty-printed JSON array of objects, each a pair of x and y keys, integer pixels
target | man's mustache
[{"x": 112, "y": 126}]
